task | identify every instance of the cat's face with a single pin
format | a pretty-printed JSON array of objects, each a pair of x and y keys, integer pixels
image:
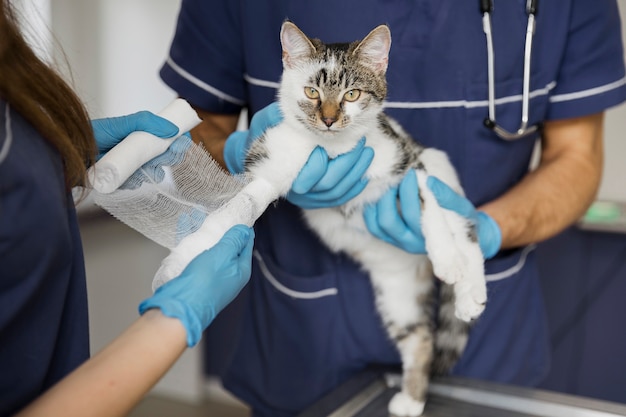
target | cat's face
[{"x": 333, "y": 87}]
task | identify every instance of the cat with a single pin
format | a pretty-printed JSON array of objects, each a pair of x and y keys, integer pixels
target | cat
[{"x": 331, "y": 95}]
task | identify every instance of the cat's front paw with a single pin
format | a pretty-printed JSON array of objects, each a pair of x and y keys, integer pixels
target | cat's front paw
[
  {"x": 470, "y": 299},
  {"x": 403, "y": 405}
]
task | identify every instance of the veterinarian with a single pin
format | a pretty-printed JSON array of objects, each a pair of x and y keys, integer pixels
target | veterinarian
[
  {"x": 462, "y": 78},
  {"x": 46, "y": 143}
]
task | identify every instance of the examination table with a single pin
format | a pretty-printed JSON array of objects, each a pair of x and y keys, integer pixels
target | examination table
[{"x": 367, "y": 395}]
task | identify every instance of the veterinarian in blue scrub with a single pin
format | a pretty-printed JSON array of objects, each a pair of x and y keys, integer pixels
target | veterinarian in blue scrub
[
  {"x": 309, "y": 322},
  {"x": 46, "y": 143}
]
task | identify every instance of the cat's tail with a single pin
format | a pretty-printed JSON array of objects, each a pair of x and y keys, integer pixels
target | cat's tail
[{"x": 451, "y": 333}]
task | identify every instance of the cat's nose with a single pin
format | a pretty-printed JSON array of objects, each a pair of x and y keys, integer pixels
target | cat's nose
[{"x": 328, "y": 121}]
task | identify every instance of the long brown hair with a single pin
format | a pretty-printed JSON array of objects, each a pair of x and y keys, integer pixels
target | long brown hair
[{"x": 37, "y": 91}]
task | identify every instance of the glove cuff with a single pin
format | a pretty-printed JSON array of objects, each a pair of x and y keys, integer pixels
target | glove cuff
[
  {"x": 489, "y": 235},
  {"x": 174, "y": 309},
  {"x": 234, "y": 152}
]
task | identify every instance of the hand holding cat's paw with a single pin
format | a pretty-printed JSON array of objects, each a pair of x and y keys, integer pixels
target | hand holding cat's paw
[
  {"x": 398, "y": 224},
  {"x": 238, "y": 143},
  {"x": 488, "y": 231},
  {"x": 325, "y": 182}
]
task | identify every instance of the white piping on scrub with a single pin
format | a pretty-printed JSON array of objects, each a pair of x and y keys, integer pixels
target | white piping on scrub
[
  {"x": 288, "y": 291},
  {"x": 199, "y": 83}
]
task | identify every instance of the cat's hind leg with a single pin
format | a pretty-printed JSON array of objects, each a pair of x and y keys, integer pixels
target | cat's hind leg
[{"x": 404, "y": 298}]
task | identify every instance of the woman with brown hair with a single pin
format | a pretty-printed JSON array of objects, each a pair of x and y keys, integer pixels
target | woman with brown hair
[{"x": 46, "y": 143}]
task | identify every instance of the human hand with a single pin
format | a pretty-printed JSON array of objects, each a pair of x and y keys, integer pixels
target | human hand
[
  {"x": 488, "y": 231},
  {"x": 239, "y": 142},
  {"x": 325, "y": 182},
  {"x": 402, "y": 228},
  {"x": 111, "y": 130},
  {"x": 208, "y": 284}
]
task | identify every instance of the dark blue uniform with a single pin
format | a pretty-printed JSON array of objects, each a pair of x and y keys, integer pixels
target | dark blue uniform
[
  {"x": 310, "y": 321},
  {"x": 43, "y": 298}
]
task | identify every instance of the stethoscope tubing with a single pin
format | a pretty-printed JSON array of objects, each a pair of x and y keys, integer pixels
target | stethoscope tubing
[{"x": 486, "y": 7}]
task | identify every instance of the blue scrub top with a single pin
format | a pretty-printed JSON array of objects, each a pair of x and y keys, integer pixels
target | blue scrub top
[
  {"x": 43, "y": 297},
  {"x": 310, "y": 321}
]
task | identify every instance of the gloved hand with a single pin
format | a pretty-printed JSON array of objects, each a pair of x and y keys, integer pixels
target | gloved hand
[
  {"x": 403, "y": 229},
  {"x": 400, "y": 228},
  {"x": 489, "y": 233},
  {"x": 110, "y": 131},
  {"x": 324, "y": 182},
  {"x": 239, "y": 142},
  {"x": 209, "y": 283}
]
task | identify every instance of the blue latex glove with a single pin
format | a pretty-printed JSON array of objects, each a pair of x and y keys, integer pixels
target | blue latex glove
[
  {"x": 239, "y": 142},
  {"x": 208, "y": 284},
  {"x": 387, "y": 223},
  {"x": 325, "y": 182},
  {"x": 110, "y": 131},
  {"x": 404, "y": 231},
  {"x": 489, "y": 233}
]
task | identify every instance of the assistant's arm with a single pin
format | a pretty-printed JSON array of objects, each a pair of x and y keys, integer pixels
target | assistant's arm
[
  {"x": 113, "y": 381},
  {"x": 559, "y": 191},
  {"x": 213, "y": 132},
  {"x": 173, "y": 318}
]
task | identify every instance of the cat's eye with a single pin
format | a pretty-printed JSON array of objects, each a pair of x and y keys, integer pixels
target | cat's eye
[
  {"x": 311, "y": 93},
  {"x": 352, "y": 95}
]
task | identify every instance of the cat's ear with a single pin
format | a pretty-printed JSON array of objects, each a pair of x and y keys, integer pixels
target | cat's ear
[
  {"x": 374, "y": 49},
  {"x": 296, "y": 45}
]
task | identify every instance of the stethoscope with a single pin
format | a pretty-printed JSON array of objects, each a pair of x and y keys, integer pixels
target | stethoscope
[{"x": 486, "y": 7}]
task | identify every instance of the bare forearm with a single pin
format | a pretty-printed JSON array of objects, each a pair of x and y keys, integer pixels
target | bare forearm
[
  {"x": 213, "y": 132},
  {"x": 113, "y": 381},
  {"x": 559, "y": 191}
]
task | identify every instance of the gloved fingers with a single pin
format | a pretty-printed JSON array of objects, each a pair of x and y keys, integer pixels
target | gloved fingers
[
  {"x": 245, "y": 258},
  {"x": 312, "y": 172},
  {"x": 450, "y": 199},
  {"x": 267, "y": 117},
  {"x": 385, "y": 222},
  {"x": 408, "y": 193},
  {"x": 350, "y": 166},
  {"x": 341, "y": 182},
  {"x": 108, "y": 132},
  {"x": 370, "y": 215},
  {"x": 147, "y": 122},
  {"x": 234, "y": 241},
  {"x": 235, "y": 150},
  {"x": 326, "y": 198}
]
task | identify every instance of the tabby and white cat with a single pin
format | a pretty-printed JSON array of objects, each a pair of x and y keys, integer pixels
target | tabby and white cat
[{"x": 331, "y": 95}]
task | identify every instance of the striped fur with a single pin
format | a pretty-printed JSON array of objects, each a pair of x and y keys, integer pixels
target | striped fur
[{"x": 316, "y": 96}]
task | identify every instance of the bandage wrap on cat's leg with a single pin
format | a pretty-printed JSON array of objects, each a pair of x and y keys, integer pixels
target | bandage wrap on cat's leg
[
  {"x": 244, "y": 208},
  {"x": 182, "y": 199}
]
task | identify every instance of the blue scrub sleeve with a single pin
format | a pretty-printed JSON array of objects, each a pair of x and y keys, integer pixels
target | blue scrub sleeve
[
  {"x": 206, "y": 56},
  {"x": 591, "y": 76}
]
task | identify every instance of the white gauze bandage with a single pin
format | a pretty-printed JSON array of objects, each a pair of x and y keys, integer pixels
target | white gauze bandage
[
  {"x": 138, "y": 148},
  {"x": 184, "y": 201}
]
